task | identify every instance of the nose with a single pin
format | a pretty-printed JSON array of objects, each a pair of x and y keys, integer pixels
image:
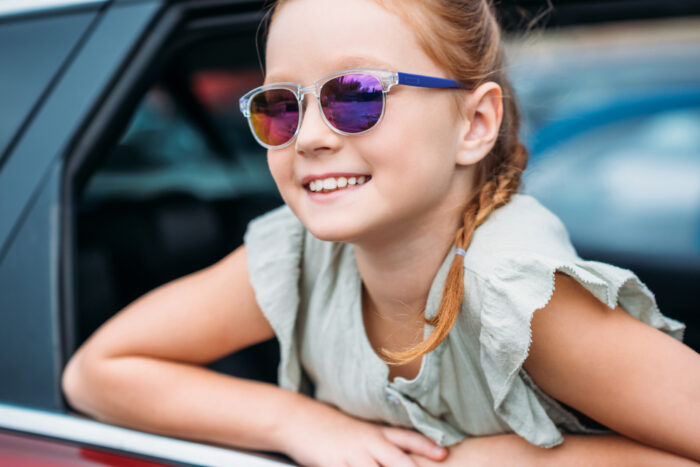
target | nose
[{"x": 314, "y": 135}]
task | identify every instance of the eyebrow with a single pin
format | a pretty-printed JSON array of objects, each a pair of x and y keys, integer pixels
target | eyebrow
[
  {"x": 363, "y": 61},
  {"x": 342, "y": 63}
]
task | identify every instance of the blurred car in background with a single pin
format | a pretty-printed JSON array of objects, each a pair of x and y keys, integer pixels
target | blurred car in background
[
  {"x": 612, "y": 119},
  {"x": 125, "y": 163}
]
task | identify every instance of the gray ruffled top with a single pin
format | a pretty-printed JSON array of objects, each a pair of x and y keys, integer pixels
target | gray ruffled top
[{"x": 473, "y": 384}]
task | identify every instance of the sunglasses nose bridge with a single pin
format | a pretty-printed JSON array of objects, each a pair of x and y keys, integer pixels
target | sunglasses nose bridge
[
  {"x": 312, "y": 89},
  {"x": 302, "y": 92},
  {"x": 308, "y": 89}
]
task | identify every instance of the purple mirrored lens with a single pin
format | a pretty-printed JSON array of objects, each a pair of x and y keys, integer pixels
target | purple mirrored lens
[
  {"x": 352, "y": 103},
  {"x": 274, "y": 115}
]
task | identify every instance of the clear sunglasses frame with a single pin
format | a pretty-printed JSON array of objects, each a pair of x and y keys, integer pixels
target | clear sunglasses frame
[{"x": 386, "y": 78}]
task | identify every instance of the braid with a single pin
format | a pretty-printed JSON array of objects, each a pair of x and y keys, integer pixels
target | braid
[
  {"x": 494, "y": 193},
  {"x": 498, "y": 174}
]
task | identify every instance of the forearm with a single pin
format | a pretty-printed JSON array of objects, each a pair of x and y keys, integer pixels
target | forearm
[
  {"x": 184, "y": 400},
  {"x": 575, "y": 451},
  {"x": 586, "y": 450},
  {"x": 609, "y": 450}
]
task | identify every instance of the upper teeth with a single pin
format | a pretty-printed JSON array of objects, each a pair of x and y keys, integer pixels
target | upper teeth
[{"x": 332, "y": 183}]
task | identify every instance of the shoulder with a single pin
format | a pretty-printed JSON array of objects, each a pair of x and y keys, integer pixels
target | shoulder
[
  {"x": 280, "y": 217},
  {"x": 578, "y": 342},
  {"x": 274, "y": 244},
  {"x": 521, "y": 255},
  {"x": 522, "y": 247},
  {"x": 284, "y": 258},
  {"x": 279, "y": 234},
  {"x": 523, "y": 226}
]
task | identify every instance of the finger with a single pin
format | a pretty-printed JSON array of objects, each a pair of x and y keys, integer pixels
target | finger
[
  {"x": 365, "y": 460},
  {"x": 423, "y": 461},
  {"x": 389, "y": 455},
  {"x": 414, "y": 442}
]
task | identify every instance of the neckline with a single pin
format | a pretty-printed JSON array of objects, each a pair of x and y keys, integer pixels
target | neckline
[{"x": 379, "y": 368}]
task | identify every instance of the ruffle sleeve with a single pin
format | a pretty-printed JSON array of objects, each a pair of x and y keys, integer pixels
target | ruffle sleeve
[
  {"x": 522, "y": 283},
  {"x": 274, "y": 245}
]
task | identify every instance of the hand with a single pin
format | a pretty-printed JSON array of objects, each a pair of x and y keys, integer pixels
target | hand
[{"x": 319, "y": 435}]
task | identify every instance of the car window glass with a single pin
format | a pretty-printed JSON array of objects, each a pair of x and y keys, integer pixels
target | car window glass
[
  {"x": 630, "y": 186},
  {"x": 31, "y": 53},
  {"x": 163, "y": 150},
  {"x": 610, "y": 114},
  {"x": 175, "y": 192}
]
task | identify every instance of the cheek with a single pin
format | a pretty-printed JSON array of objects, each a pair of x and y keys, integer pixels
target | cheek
[
  {"x": 280, "y": 164},
  {"x": 417, "y": 142}
]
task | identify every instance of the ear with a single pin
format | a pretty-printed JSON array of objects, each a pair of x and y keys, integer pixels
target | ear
[{"x": 480, "y": 127}]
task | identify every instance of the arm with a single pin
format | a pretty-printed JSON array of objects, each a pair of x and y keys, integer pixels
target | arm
[
  {"x": 632, "y": 378},
  {"x": 142, "y": 369},
  {"x": 575, "y": 451}
]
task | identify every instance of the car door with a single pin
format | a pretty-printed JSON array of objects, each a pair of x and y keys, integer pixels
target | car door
[{"x": 77, "y": 73}]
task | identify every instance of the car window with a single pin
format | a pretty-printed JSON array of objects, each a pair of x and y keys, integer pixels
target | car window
[
  {"x": 32, "y": 52},
  {"x": 611, "y": 116},
  {"x": 164, "y": 150},
  {"x": 175, "y": 192},
  {"x": 631, "y": 186}
]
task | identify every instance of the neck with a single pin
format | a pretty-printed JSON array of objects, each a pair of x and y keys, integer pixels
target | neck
[{"x": 397, "y": 273}]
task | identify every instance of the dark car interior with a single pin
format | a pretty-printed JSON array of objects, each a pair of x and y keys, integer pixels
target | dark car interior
[{"x": 175, "y": 189}]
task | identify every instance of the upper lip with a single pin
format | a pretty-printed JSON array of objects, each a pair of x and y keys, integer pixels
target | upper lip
[{"x": 306, "y": 180}]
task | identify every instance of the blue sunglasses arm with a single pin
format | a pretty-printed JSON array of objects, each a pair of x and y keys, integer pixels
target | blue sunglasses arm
[{"x": 426, "y": 81}]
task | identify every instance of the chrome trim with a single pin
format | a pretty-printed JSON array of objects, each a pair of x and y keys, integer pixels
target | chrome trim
[
  {"x": 13, "y": 7},
  {"x": 72, "y": 428}
]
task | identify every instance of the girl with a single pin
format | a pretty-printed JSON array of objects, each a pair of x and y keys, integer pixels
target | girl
[{"x": 401, "y": 277}]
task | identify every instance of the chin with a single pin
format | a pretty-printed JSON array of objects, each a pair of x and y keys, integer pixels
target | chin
[
  {"x": 330, "y": 225},
  {"x": 334, "y": 233},
  {"x": 339, "y": 227}
]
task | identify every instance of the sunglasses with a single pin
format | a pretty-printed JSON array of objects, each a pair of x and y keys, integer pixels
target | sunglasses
[{"x": 352, "y": 102}]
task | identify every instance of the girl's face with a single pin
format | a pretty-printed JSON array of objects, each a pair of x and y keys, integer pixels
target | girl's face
[{"x": 409, "y": 155}]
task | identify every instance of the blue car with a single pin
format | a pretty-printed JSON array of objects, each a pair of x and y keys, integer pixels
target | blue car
[
  {"x": 125, "y": 164},
  {"x": 615, "y": 148}
]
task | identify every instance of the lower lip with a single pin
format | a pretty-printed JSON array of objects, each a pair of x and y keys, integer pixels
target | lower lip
[{"x": 320, "y": 197}]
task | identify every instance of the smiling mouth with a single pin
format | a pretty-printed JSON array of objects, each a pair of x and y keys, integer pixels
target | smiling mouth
[{"x": 332, "y": 184}]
